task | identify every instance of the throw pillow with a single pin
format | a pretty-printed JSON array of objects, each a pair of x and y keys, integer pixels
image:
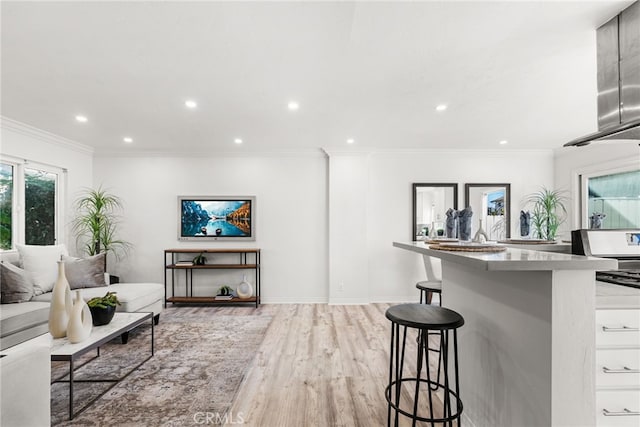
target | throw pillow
[
  {"x": 85, "y": 273},
  {"x": 41, "y": 262},
  {"x": 16, "y": 285}
]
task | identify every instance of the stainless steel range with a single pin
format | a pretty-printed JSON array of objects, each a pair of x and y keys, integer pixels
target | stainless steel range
[{"x": 623, "y": 245}]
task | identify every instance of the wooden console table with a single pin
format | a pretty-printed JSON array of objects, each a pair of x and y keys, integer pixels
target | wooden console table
[{"x": 248, "y": 259}]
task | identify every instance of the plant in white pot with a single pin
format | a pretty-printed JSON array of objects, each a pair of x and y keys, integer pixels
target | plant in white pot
[
  {"x": 96, "y": 223},
  {"x": 548, "y": 212}
]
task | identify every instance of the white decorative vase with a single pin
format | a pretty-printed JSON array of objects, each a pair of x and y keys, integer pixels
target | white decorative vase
[
  {"x": 80, "y": 321},
  {"x": 244, "y": 289},
  {"x": 61, "y": 305}
]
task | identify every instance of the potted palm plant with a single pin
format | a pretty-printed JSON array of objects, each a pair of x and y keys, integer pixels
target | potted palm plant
[
  {"x": 548, "y": 212},
  {"x": 96, "y": 223}
]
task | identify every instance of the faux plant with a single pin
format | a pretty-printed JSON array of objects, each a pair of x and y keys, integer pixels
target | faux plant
[
  {"x": 548, "y": 212},
  {"x": 225, "y": 290},
  {"x": 96, "y": 223},
  {"x": 200, "y": 259},
  {"x": 109, "y": 300}
]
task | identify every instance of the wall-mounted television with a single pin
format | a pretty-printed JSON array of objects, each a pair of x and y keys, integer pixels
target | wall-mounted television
[{"x": 216, "y": 218}]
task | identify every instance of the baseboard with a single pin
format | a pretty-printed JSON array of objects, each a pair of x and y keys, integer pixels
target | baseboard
[{"x": 293, "y": 300}]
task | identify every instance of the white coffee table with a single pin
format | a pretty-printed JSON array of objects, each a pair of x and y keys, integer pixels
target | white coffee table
[{"x": 63, "y": 350}]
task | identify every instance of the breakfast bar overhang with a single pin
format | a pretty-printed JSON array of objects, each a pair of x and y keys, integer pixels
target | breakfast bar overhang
[{"x": 527, "y": 349}]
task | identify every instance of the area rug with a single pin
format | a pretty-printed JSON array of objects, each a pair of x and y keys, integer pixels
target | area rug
[{"x": 201, "y": 358}]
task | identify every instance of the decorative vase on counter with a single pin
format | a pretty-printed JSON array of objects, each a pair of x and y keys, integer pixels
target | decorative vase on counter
[
  {"x": 452, "y": 223},
  {"x": 61, "y": 305},
  {"x": 525, "y": 223},
  {"x": 244, "y": 289},
  {"x": 464, "y": 223},
  {"x": 80, "y": 321},
  {"x": 481, "y": 235}
]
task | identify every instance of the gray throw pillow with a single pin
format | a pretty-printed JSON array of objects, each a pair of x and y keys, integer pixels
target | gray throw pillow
[
  {"x": 85, "y": 273},
  {"x": 16, "y": 284}
]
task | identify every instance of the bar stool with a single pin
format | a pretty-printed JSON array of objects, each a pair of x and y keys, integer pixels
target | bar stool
[
  {"x": 428, "y": 288},
  {"x": 423, "y": 318}
]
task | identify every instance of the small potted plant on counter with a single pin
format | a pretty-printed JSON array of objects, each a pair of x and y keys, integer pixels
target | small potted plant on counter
[{"x": 103, "y": 308}]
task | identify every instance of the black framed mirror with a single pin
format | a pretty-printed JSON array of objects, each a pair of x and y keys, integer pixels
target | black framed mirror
[
  {"x": 430, "y": 204},
  {"x": 490, "y": 203}
]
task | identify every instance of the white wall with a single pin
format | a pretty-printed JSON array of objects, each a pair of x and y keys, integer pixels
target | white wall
[
  {"x": 291, "y": 200},
  {"x": 20, "y": 141},
  {"x": 393, "y": 272},
  {"x": 571, "y": 162}
]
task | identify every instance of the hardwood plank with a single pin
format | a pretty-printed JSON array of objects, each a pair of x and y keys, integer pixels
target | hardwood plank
[{"x": 324, "y": 365}]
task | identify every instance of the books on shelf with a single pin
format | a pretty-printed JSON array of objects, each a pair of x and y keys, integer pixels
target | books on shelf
[
  {"x": 224, "y": 297},
  {"x": 184, "y": 263}
]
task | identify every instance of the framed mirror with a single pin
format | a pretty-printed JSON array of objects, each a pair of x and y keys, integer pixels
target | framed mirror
[
  {"x": 430, "y": 204},
  {"x": 490, "y": 203}
]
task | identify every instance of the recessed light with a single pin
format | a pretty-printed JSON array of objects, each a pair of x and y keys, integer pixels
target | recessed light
[
  {"x": 82, "y": 119},
  {"x": 441, "y": 107},
  {"x": 127, "y": 139},
  {"x": 190, "y": 103},
  {"x": 292, "y": 105},
  {"x": 237, "y": 141},
  {"x": 350, "y": 141},
  {"x": 503, "y": 142}
]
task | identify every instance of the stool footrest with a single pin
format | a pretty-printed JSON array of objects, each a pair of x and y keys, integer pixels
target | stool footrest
[{"x": 455, "y": 398}]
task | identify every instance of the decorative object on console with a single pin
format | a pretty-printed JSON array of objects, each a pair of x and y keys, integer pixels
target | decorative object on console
[
  {"x": 464, "y": 223},
  {"x": 200, "y": 259},
  {"x": 548, "y": 212},
  {"x": 80, "y": 321},
  {"x": 103, "y": 308},
  {"x": 244, "y": 289},
  {"x": 480, "y": 236},
  {"x": 452, "y": 223},
  {"x": 595, "y": 220},
  {"x": 96, "y": 223},
  {"x": 61, "y": 305},
  {"x": 525, "y": 223}
]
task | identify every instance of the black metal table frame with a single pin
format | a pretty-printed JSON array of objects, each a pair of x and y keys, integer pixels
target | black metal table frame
[{"x": 72, "y": 357}]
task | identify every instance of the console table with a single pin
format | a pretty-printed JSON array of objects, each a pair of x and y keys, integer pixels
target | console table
[{"x": 176, "y": 260}]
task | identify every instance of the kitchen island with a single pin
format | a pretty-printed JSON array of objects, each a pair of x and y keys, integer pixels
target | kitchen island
[{"x": 527, "y": 349}]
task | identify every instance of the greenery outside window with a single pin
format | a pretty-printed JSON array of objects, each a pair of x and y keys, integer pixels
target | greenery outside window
[{"x": 29, "y": 204}]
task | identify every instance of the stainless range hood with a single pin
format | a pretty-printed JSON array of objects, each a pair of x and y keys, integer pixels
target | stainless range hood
[{"x": 618, "y": 79}]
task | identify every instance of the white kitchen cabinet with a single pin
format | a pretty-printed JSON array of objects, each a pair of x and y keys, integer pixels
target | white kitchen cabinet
[{"x": 618, "y": 367}]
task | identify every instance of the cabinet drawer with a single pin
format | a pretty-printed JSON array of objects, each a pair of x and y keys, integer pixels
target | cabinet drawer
[
  {"x": 616, "y": 402},
  {"x": 617, "y": 328},
  {"x": 618, "y": 367}
]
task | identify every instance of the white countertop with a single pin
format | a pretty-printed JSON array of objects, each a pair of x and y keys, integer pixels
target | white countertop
[{"x": 513, "y": 259}]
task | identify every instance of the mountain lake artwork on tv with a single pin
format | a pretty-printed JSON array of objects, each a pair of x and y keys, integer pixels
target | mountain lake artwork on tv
[{"x": 216, "y": 218}]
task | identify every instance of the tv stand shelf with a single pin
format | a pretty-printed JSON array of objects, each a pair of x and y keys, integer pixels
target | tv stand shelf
[{"x": 174, "y": 259}]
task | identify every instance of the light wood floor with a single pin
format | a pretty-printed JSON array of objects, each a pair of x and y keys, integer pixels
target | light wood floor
[{"x": 321, "y": 365}]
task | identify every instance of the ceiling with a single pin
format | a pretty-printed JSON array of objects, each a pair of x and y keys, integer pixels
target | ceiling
[{"x": 523, "y": 72}]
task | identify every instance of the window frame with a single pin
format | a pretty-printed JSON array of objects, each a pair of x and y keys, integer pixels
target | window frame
[
  {"x": 18, "y": 220},
  {"x": 609, "y": 168}
]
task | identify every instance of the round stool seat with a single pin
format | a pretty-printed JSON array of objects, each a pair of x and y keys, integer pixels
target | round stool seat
[
  {"x": 421, "y": 316},
  {"x": 430, "y": 285}
]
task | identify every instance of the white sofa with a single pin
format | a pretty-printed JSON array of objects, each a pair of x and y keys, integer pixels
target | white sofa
[{"x": 21, "y": 321}]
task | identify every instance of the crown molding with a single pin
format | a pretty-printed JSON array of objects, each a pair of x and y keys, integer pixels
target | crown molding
[
  {"x": 306, "y": 152},
  {"x": 41, "y": 135}
]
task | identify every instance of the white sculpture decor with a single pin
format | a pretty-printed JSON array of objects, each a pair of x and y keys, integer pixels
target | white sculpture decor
[
  {"x": 80, "y": 321},
  {"x": 244, "y": 289},
  {"x": 481, "y": 235},
  {"x": 61, "y": 305}
]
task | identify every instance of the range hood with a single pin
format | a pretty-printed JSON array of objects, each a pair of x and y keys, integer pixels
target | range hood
[{"x": 618, "y": 44}]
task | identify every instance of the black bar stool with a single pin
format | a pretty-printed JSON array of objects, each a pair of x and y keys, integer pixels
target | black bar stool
[
  {"x": 428, "y": 288},
  {"x": 423, "y": 318}
]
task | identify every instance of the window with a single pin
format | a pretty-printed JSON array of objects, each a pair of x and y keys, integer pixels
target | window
[
  {"x": 6, "y": 206},
  {"x": 616, "y": 195},
  {"x": 29, "y": 204}
]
